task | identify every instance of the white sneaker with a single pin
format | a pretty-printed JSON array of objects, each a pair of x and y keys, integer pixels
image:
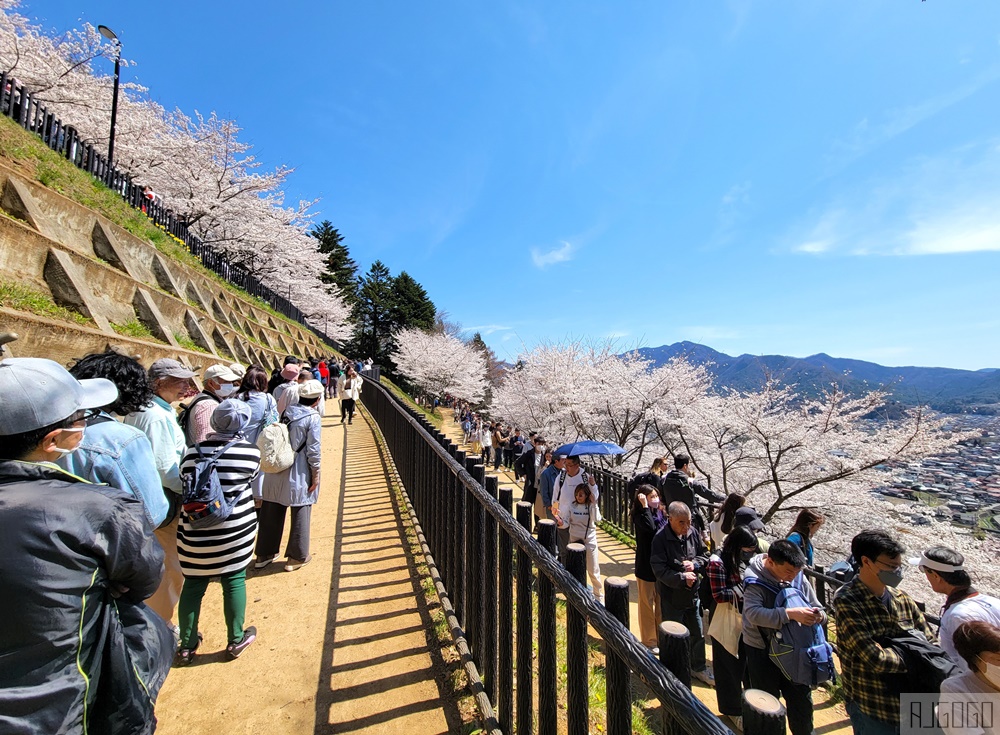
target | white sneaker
[{"x": 704, "y": 676}]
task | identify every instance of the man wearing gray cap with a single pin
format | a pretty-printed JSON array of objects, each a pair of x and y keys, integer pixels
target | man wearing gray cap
[
  {"x": 67, "y": 550},
  {"x": 171, "y": 382},
  {"x": 220, "y": 382}
]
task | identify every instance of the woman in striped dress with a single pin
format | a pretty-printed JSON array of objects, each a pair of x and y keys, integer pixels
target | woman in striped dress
[{"x": 223, "y": 550}]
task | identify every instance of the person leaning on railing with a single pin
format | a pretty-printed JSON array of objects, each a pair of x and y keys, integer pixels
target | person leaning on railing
[{"x": 867, "y": 609}]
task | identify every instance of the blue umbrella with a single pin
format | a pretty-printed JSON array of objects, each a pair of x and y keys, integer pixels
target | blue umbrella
[{"x": 577, "y": 449}]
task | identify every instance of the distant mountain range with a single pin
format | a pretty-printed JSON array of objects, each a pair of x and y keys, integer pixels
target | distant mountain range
[{"x": 944, "y": 389}]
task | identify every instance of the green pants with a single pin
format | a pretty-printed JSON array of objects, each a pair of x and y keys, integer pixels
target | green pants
[{"x": 234, "y": 606}]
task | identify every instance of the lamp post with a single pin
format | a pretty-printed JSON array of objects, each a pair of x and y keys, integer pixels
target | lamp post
[{"x": 110, "y": 35}]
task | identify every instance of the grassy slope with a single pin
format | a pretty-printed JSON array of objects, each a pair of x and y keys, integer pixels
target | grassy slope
[{"x": 26, "y": 153}]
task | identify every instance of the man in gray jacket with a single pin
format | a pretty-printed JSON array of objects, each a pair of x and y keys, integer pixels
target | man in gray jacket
[
  {"x": 79, "y": 650},
  {"x": 780, "y": 567}
]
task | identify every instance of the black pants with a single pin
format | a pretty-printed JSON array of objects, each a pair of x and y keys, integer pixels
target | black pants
[
  {"x": 798, "y": 697},
  {"x": 272, "y": 523},
  {"x": 730, "y": 678},
  {"x": 346, "y": 409}
]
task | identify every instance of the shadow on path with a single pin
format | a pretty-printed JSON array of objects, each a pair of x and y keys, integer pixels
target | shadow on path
[{"x": 381, "y": 662}]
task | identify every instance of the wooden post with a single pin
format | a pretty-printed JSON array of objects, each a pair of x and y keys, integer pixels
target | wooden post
[
  {"x": 763, "y": 714},
  {"x": 619, "y": 694},
  {"x": 675, "y": 650}
]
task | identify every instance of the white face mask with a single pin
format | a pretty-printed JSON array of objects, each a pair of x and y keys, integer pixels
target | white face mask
[
  {"x": 226, "y": 390},
  {"x": 75, "y": 430},
  {"x": 992, "y": 673}
]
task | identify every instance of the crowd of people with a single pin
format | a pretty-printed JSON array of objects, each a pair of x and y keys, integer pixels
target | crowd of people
[
  {"x": 125, "y": 490},
  {"x": 764, "y": 614},
  {"x": 701, "y": 560}
]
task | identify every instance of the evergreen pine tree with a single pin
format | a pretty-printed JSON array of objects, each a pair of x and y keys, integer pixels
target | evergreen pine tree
[{"x": 338, "y": 268}]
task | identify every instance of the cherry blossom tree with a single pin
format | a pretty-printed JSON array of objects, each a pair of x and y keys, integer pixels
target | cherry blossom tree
[
  {"x": 198, "y": 164},
  {"x": 440, "y": 363},
  {"x": 774, "y": 446},
  {"x": 575, "y": 391}
]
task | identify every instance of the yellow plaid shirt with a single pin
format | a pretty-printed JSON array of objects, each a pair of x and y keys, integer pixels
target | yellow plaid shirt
[{"x": 861, "y": 617}]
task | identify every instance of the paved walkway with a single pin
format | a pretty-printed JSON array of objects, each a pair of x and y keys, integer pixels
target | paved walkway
[{"x": 345, "y": 644}]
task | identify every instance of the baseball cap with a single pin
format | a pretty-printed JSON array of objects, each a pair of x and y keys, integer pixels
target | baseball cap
[
  {"x": 231, "y": 416},
  {"x": 36, "y": 393},
  {"x": 311, "y": 389},
  {"x": 222, "y": 373},
  {"x": 238, "y": 369},
  {"x": 167, "y": 368},
  {"x": 748, "y": 517}
]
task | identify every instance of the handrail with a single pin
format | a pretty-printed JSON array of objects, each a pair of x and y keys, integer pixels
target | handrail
[{"x": 678, "y": 700}]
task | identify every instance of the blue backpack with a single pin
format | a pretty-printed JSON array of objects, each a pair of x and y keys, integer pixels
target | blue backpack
[
  {"x": 202, "y": 500},
  {"x": 800, "y": 651}
]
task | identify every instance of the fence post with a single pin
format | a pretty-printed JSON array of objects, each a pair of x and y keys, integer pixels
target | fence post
[
  {"x": 577, "y": 693},
  {"x": 763, "y": 714},
  {"x": 458, "y": 533},
  {"x": 546, "y": 637},
  {"x": 505, "y": 622},
  {"x": 619, "y": 691},
  {"x": 489, "y": 629},
  {"x": 674, "y": 641},
  {"x": 524, "y": 638}
]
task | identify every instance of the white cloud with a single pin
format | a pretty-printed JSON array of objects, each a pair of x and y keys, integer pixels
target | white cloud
[
  {"x": 939, "y": 205},
  {"x": 617, "y": 334},
  {"x": 557, "y": 255},
  {"x": 486, "y": 329},
  {"x": 867, "y": 136}
]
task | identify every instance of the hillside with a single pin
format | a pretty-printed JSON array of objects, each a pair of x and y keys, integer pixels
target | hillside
[{"x": 945, "y": 389}]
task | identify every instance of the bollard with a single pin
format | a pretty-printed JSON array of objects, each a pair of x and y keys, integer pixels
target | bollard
[
  {"x": 618, "y": 685},
  {"x": 547, "y": 712},
  {"x": 763, "y": 714},
  {"x": 524, "y": 647},
  {"x": 674, "y": 641},
  {"x": 577, "y": 695}
]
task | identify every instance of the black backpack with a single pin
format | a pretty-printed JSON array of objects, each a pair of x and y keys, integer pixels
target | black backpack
[{"x": 202, "y": 499}]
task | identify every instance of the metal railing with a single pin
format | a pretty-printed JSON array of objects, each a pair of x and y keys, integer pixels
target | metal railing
[
  {"x": 20, "y": 105},
  {"x": 484, "y": 563}
]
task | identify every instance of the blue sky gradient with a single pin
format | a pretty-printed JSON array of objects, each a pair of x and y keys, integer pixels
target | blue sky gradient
[{"x": 779, "y": 177}]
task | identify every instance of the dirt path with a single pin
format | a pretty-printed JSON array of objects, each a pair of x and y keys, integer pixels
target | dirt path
[{"x": 344, "y": 644}]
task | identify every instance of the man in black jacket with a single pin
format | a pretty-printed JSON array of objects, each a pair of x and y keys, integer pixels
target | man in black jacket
[
  {"x": 678, "y": 558},
  {"x": 71, "y": 552},
  {"x": 679, "y": 485}
]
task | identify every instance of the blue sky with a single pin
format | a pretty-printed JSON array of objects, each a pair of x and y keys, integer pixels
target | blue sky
[{"x": 779, "y": 177}]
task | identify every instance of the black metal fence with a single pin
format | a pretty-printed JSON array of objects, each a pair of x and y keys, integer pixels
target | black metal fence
[
  {"x": 18, "y": 103},
  {"x": 484, "y": 563}
]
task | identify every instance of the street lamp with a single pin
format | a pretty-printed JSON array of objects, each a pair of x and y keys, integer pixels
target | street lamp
[{"x": 110, "y": 35}]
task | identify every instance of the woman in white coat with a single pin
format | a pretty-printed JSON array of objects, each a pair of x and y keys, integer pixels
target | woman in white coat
[
  {"x": 296, "y": 488},
  {"x": 349, "y": 389}
]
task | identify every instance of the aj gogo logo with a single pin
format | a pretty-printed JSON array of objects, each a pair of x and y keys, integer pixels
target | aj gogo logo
[{"x": 930, "y": 713}]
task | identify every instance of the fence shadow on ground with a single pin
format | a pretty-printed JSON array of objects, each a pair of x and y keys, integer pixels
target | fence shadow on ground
[{"x": 381, "y": 661}]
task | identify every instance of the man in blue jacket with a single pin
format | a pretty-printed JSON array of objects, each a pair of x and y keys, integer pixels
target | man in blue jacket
[{"x": 75, "y": 559}]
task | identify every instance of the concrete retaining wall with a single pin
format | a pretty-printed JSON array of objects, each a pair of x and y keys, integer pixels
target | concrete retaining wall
[{"x": 100, "y": 270}]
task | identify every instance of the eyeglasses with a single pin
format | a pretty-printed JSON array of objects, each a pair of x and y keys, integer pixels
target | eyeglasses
[
  {"x": 86, "y": 415},
  {"x": 887, "y": 567}
]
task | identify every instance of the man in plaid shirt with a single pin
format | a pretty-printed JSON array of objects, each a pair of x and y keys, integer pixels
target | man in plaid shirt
[{"x": 867, "y": 608}]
